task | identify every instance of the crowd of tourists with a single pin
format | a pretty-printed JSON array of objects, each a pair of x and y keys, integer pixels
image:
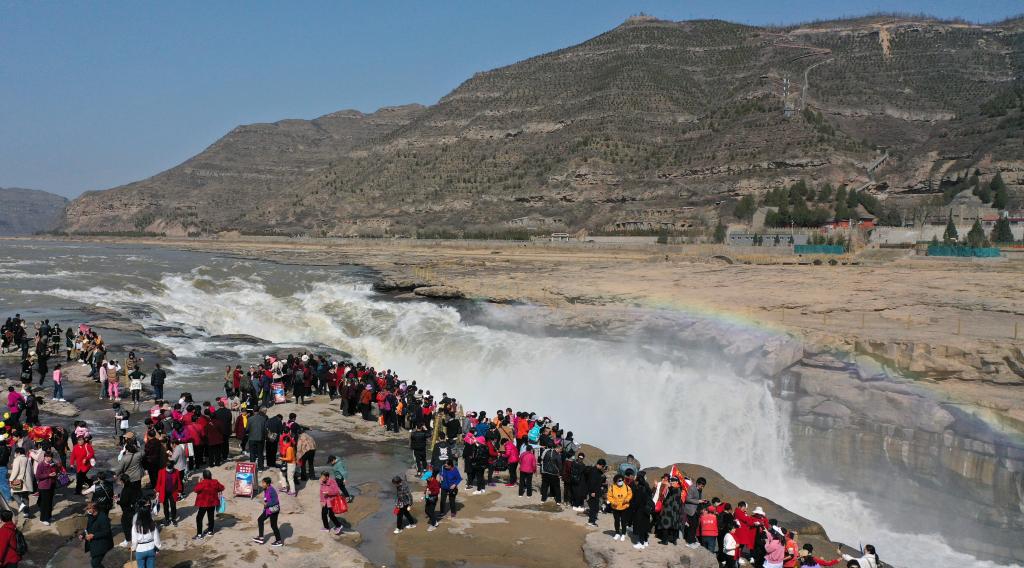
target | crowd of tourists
[{"x": 161, "y": 459}]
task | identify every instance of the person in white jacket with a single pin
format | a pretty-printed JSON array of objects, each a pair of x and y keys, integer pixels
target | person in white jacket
[
  {"x": 145, "y": 537},
  {"x": 730, "y": 546},
  {"x": 868, "y": 560}
]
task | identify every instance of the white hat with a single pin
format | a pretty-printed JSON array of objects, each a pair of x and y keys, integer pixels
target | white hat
[{"x": 759, "y": 511}]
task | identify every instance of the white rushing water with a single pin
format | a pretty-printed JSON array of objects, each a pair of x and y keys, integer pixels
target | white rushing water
[{"x": 610, "y": 394}]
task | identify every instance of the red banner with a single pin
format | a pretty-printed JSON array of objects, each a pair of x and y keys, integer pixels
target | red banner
[{"x": 245, "y": 479}]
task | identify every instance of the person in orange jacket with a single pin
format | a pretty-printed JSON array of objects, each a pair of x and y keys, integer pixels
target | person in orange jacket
[{"x": 287, "y": 452}]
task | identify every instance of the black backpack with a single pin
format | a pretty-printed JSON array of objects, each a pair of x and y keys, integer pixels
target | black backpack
[{"x": 20, "y": 544}]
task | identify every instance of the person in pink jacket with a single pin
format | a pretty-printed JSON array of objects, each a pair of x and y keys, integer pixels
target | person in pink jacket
[
  {"x": 512, "y": 455},
  {"x": 527, "y": 467},
  {"x": 328, "y": 491}
]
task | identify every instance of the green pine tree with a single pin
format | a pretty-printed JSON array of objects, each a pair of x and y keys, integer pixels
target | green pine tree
[
  {"x": 999, "y": 193},
  {"x": 950, "y": 236},
  {"x": 1001, "y": 233},
  {"x": 976, "y": 236}
]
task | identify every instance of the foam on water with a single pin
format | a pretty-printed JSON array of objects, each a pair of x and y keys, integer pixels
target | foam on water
[{"x": 613, "y": 395}]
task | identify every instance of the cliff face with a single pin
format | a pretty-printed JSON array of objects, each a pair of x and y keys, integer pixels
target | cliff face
[
  {"x": 944, "y": 460},
  {"x": 636, "y": 123},
  {"x": 27, "y": 211}
]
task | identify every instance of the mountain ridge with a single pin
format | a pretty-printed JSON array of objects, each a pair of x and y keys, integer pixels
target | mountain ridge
[
  {"x": 28, "y": 211},
  {"x": 636, "y": 125}
]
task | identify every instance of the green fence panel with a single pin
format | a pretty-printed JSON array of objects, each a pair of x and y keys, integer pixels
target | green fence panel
[
  {"x": 819, "y": 249},
  {"x": 951, "y": 250}
]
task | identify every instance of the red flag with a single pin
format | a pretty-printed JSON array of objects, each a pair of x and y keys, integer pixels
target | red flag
[{"x": 675, "y": 473}]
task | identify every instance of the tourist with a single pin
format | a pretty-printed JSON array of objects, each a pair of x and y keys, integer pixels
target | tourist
[
  {"x": 287, "y": 454},
  {"x": 707, "y": 530},
  {"x": 156, "y": 380},
  {"x": 305, "y": 449},
  {"x": 774, "y": 548},
  {"x": 403, "y": 500},
  {"x": 135, "y": 386},
  {"x": 329, "y": 491},
  {"x": 527, "y": 467},
  {"x": 131, "y": 462},
  {"x": 431, "y": 494},
  {"x": 168, "y": 487},
  {"x": 619, "y": 496},
  {"x": 450, "y": 480},
  {"x": 208, "y": 498},
  {"x": 58, "y": 383},
  {"x": 145, "y": 538},
  {"x": 511, "y": 454},
  {"x": 670, "y": 518},
  {"x": 128, "y": 500},
  {"x": 869, "y": 559},
  {"x": 271, "y": 509},
  {"x": 642, "y": 505},
  {"x": 98, "y": 535},
  {"x": 807, "y": 558},
  {"x": 595, "y": 489},
  {"x": 46, "y": 483},
  {"x": 5, "y": 485},
  {"x": 255, "y": 432},
  {"x": 550, "y": 469},
  {"x": 694, "y": 501},
  {"x": 418, "y": 440},
  {"x": 729, "y": 557},
  {"x": 8, "y": 541},
  {"x": 339, "y": 472}
]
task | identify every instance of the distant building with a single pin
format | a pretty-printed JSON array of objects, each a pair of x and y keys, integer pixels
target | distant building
[
  {"x": 770, "y": 239},
  {"x": 559, "y": 237}
]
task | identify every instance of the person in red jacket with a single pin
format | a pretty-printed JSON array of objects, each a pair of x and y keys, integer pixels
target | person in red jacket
[
  {"x": 707, "y": 527},
  {"x": 207, "y": 492},
  {"x": 168, "y": 487},
  {"x": 83, "y": 456},
  {"x": 746, "y": 533},
  {"x": 9, "y": 557}
]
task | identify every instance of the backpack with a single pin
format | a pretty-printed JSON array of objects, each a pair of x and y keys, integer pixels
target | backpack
[
  {"x": 576, "y": 473},
  {"x": 20, "y": 544},
  {"x": 534, "y": 433}
]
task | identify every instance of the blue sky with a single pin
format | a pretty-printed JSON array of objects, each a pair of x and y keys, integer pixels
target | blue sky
[{"x": 96, "y": 94}]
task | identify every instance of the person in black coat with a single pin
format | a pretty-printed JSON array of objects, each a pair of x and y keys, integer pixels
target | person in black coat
[
  {"x": 99, "y": 538},
  {"x": 418, "y": 442},
  {"x": 595, "y": 482}
]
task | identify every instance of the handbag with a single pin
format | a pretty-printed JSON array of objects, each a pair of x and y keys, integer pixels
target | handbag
[
  {"x": 396, "y": 511},
  {"x": 274, "y": 509},
  {"x": 222, "y": 506},
  {"x": 63, "y": 479},
  {"x": 339, "y": 505},
  {"x": 17, "y": 484}
]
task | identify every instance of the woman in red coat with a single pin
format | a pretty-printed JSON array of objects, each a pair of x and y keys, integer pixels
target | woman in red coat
[
  {"x": 168, "y": 484},
  {"x": 746, "y": 533},
  {"x": 207, "y": 499}
]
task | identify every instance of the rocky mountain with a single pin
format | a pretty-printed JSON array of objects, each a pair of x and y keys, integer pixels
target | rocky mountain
[
  {"x": 246, "y": 170},
  {"x": 27, "y": 211},
  {"x": 651, "y": 123}
]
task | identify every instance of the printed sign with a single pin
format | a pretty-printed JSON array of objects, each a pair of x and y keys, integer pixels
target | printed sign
[
  {"x": 278, "y": 390},
  {"x": 245, "y": 479}
]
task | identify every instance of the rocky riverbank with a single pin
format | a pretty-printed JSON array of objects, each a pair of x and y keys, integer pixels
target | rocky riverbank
[{"x": 496, "y": 528}]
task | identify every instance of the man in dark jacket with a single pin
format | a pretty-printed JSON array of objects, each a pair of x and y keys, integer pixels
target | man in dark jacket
[
  {"x": 223, "y": 418},
  {"x": 255, "y": 432},
  {"x": 594, "y": 478},
  {"x": 99, "y": 539},
  {"x": 275, "y": 427},
  {"x": 156, "y": 380},
  {"x": 550, "y": 469},
  {"x": 418, "y": 442}
]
